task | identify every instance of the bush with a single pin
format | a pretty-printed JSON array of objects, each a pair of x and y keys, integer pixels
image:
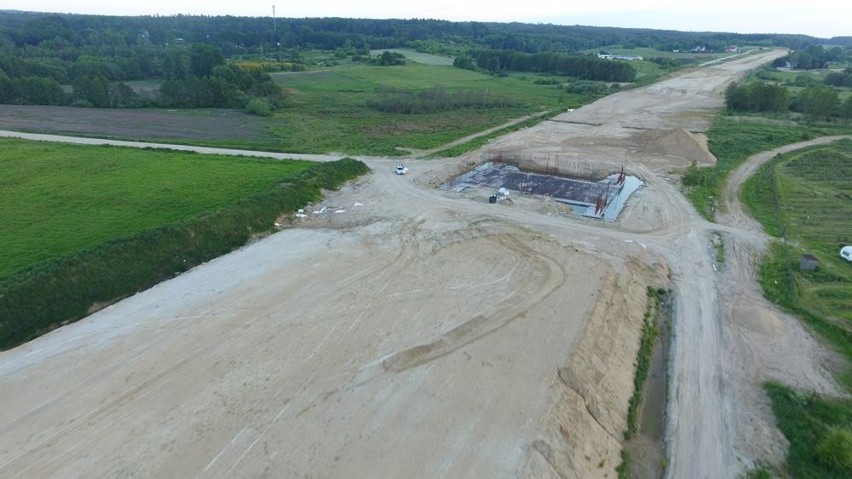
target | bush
[
  {"x": 818, "y": 429},
  {"x": 695, "y": 176},
  {"x": 835, "y": 449},
  {"x": 589, "y": 88},
  {"x": 436, "y": 99},
  {"x": 259, "y": 107}
]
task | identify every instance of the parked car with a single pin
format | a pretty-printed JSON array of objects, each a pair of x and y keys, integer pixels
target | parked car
[
  {"x": 846, "y": 253},
  {"x": 401, "y": 169}
]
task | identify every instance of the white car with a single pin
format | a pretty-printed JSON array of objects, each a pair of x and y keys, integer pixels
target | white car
[
  {"x": 401, "y": 169},
  {"x": 846, "y": 253}
]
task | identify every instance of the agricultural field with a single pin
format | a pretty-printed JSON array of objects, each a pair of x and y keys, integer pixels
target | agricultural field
[
  {"x": 331, "y": 109},
  {"x": 733, "y": 138},
  {"x": 646, "y": 53},
  {"x": 342, "y": 109},
  {"x": 807, "y": 196},
  {"x": 804, "y": 198},
  {"x": 58, "y": 199},
  {"x": 209, "y": 127},
  {"x": 816, "y": 193}
]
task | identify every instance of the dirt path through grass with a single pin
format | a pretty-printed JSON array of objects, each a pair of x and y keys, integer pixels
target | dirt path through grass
[
  {"x": 139, "y": 144},
  {"x": 764, "y": 342},
  {"x": 425, "y": 153}
]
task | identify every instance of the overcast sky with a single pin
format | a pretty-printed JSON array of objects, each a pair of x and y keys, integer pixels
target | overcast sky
[{"x": 820, "y": 18}]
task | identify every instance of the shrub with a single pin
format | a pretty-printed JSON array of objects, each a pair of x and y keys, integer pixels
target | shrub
[
  {"x": 259, "y": 107},
  {"x": 835, "y": 449}
]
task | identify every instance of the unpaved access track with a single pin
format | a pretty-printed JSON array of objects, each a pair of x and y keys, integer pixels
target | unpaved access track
[{"x": 405, "y": 331}]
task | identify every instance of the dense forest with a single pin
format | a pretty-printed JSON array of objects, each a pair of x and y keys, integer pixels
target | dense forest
[{"x": 204, "y": 61}]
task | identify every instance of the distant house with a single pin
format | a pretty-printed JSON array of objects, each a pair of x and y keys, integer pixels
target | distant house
[
  {"x": 731, "y": 49},
  {"x": 808, "y": 262}
]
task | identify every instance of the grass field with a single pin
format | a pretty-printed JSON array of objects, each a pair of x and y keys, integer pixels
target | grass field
[
  {"x": 418, "y": 57},
  {"x": 791, "y": 77},
  {"x": 807, "y": 195},
  {"x": 819, "y": 431},
  {"x": 735, "y": 137},
  {"x": 57, "y": 199},
  {"x": 329, "y": 111}
]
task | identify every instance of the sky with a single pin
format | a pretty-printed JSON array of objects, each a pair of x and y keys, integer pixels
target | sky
[{"x": 819, "y": 18}]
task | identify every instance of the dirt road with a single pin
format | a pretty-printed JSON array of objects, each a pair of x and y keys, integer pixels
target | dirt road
[
  {"x": 167, "y": 146},
  {"x": 762, "y": 342},
  {"x": 413, "y": 331}
]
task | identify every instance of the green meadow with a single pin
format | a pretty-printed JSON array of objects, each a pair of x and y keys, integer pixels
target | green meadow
[
  {"x": 56, "y": 199},
  {"x": 334, "y": 110},
  {"x": 807, "y": 197}
]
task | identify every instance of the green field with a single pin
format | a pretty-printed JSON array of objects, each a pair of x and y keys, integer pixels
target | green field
[
  {"x": 804, "y": 196},
  {"x": 791, "y": 76},
  {"x": 89, "y": 225},
  {"x": 57, "y": 199},
  {"x": 419, "y": 57},
  {"x": 329, "y": 109},
  {"x": 807, "y": 195},
  {"x": 819, "y": 430},
  {"x": 735, "y": 137}
]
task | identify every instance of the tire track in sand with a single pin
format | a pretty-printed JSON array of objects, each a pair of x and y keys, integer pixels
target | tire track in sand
[{"x": 547, "y": 276}]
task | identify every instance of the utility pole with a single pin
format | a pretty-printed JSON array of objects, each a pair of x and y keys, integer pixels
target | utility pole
[{"x": 273, "y": 19}]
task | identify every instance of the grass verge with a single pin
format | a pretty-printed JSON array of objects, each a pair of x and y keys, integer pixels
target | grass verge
[
  {"x": 623, "y": 469},
  {"x": 650, "y": 332},
  {"x": 819, "y": 431}
]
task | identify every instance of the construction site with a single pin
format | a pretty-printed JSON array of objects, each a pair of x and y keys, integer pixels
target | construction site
[
  {"x": 591, "y": 189},
  {"x": 400, "y": 328}
]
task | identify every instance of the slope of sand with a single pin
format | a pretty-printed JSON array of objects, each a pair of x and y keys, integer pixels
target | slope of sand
[{"x": 311, "y": 352}]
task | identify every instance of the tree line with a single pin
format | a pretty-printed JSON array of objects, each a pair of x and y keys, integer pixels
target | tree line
[
  {"x": 815, "y": 101},
  {"x": 68, "y": 36},
  {"x": 196, "y": 76},
  {"x": 585, "y": 67},
  {"x": 812, "y": 57},
  {"x": 87, "y": 60}
]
